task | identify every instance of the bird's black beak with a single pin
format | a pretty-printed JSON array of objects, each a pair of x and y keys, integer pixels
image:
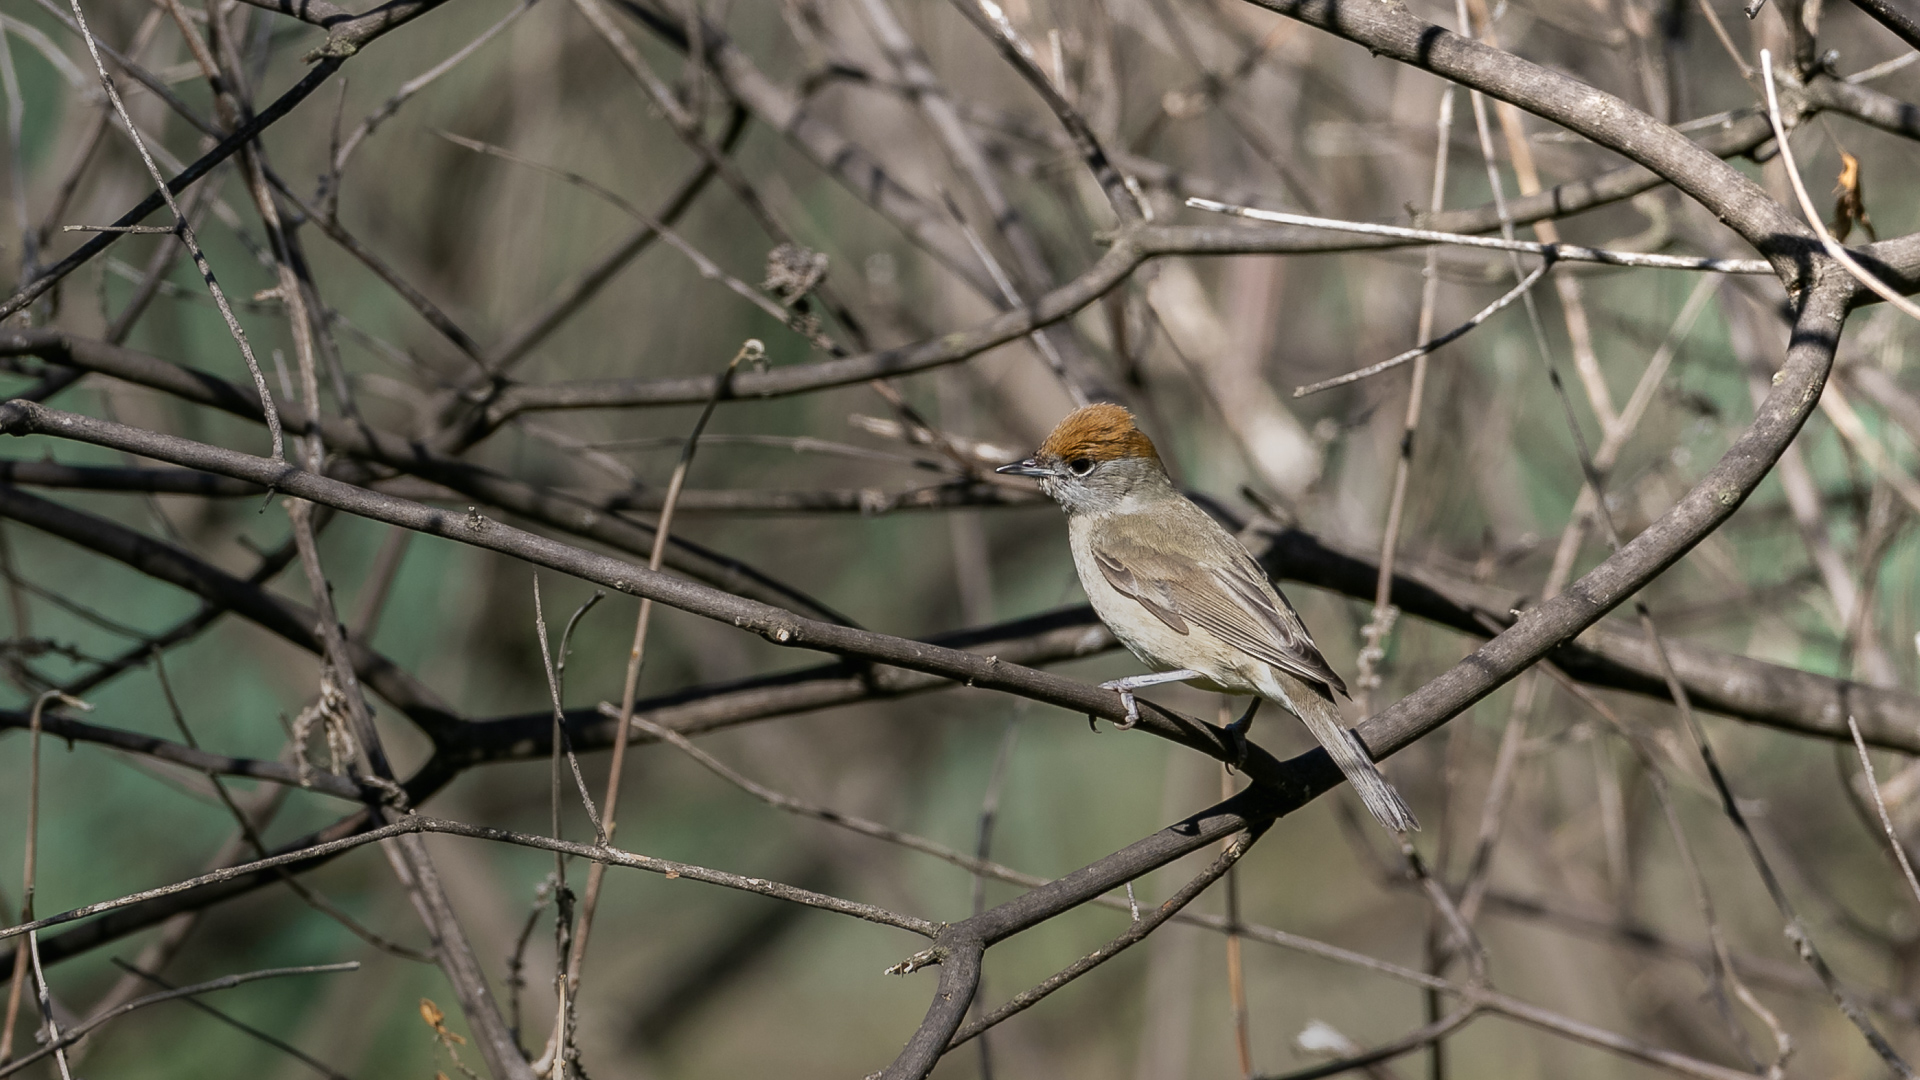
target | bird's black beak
[{"x": 1029, "y": 467}]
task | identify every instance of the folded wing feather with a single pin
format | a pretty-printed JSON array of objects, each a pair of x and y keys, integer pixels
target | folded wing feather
[{"x": 1232, "y": 600}]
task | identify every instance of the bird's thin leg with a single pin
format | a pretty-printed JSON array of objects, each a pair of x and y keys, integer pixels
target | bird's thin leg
[{"x": 1128, "y": 685}]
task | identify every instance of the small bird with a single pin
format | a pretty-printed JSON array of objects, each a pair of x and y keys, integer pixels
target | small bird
[{"x": 1185, "y": 596}]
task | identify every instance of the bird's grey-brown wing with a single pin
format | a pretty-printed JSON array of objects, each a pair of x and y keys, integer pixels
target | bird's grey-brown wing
[
  {"x": 1150, "y": 594},
  {"x": 1228, "y": 596}
]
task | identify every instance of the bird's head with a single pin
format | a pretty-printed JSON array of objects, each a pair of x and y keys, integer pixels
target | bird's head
[{"x": 1095, "y": 461}]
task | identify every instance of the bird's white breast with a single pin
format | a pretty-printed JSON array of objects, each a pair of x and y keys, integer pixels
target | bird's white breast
[{"x": 1158, "y": 645}]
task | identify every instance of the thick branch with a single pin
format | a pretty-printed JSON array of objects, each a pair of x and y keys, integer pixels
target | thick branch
[
  {"x": 1894, "y": 17},
  {"x": 322, "y": 13},
  {"x": 1863, "y": 103}
]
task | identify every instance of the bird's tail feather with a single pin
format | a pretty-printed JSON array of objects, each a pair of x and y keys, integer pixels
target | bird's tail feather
[{"x": 1344, "y": 747}]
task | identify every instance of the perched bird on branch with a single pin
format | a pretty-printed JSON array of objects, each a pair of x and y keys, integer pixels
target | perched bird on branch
[{"x": 1185, "y": 596}]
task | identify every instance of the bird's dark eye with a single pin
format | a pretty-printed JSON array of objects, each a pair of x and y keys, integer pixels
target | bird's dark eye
[{"x": 1080, "y": 466}]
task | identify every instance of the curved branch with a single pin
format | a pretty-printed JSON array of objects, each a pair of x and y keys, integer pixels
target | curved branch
[
  {"x": 959, "y": 955},
  {"x": 1281, "y": 788},
  {"x": 1393, "y": 31},
  {"x": 1796, "y": 389},
  {"x": 1703, "y": 509}
]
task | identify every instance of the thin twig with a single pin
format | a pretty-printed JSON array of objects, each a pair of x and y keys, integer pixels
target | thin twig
[
  {"x": 983, "y": 847},
  {"x": 225, "y": 982},
  {"x": 1566, "y": 252},
  {"x": 705, "y": 266},
  {"x": 1428, "y": 1034},
  {"x": 751, "y": 351},
  {"x": 252, "y": 837},
  {"x": 144, "y": 230},
  {"x": 1372, "y": 652},
  {"x": 1879, "y": 804},
  {"x": 54, "y": 1041},
  {"x": 1236, "y": 969},
  {"x": 1430, "y": 345},
  {"x": 1721, "y": 971},
  {"x": 268, "y": 1038},
  {"x": 560, "y": 740},
  {"x": 186, "y": 232},
  {"x": 31, "y": 863},
  {"x": 415, "y": 824},
  {"x": 1796, "y": 930},
  {"x": 1122, "y": 192},
  {"x": 329, "y": 195},
  {"x": 1615, "y": 437},
  {"x": 1134, "y": 934},
  {"x": 1833, "y": 247}
]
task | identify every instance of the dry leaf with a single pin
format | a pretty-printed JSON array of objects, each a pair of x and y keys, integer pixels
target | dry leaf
[{"x": 1849, "y": 204}]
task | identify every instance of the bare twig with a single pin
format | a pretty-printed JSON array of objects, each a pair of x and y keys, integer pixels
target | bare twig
[
  {"x": 1526, "y": 283},
  {"x": 1832, "y": 246},
  {"x": 560, "y": 740},
  {"x": 1381, "y": 620},
  {"x": 416, "y": 824},
  {"x": 1879, "y": 804},
  {"x": 186, "y": 232},
  {"x": 1796, "y": 931},
  {"x": 238, "y": 1025},
  {"x": 27, "y": 874},
  {"x": 752, "y": 351},
  {"x": 1566, "y": 252},
  {"x": 225, "y": 982},
  {"x": 1134, "y": 934}
]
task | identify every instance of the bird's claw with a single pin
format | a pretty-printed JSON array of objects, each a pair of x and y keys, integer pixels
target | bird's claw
[
  {"x": 1127, "y": 699},
  {"x": 1236, "y": 734},
  {"x": 1237, "y": 745}
]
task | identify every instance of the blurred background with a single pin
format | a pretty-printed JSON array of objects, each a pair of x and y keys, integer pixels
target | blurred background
[{"x": 1588, "y": 909}]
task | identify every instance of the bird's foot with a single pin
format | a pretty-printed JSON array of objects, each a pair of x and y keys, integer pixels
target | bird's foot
[
  {"x": 1127, "y": 699},
  {"x": 1236, "y": 748}
]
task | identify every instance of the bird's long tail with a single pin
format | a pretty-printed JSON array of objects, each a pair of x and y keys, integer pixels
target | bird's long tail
[{"x": 1323, "y": 719}]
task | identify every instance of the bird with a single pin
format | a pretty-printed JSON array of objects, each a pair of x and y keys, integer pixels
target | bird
[{"x": 1185, "y": 596}]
